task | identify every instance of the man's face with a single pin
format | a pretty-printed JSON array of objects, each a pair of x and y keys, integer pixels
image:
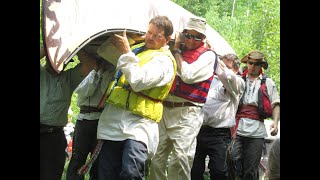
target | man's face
[
  {"x": 155, "y": 38},
  {"x": 192, "y": 39},
  {"x": 254, "y": 66}
]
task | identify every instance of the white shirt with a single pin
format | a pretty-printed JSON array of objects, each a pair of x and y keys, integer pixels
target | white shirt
[
  {"x": 223, "y": 99},
  {"x": 200, "y": 70},
  {"x": 253, "y": 128},
  {"x": 118, "y": 124},
  {"x": 91, "y": 90}
]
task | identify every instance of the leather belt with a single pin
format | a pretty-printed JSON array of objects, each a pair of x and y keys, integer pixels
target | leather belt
[
  {"x": 88, "y": 109},
  {"x": 177, "y": 104}
]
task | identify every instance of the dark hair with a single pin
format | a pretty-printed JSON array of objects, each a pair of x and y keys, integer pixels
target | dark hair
[
  {"x": 274, "y": 161},
  {"x": 163, "y": 22},
  {"x": 234, "y": 58}
]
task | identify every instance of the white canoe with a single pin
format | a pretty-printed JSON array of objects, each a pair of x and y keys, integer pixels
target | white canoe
[{"x": 73, "y": 24}]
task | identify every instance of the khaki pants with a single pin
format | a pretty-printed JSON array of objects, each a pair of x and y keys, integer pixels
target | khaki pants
[{"x": 178, "y": 130}]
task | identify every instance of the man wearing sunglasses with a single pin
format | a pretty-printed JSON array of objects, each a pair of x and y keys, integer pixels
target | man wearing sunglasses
[
  {"x": 182, "y": 115},
  {"x": 250, "y": 131}
]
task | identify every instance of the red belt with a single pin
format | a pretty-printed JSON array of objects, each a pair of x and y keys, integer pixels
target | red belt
[{"x": 177, "y": 104}]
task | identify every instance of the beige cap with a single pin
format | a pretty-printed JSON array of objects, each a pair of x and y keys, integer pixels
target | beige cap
[
  {"x": 255, "y": 54},
  {"x": 198, "y": 24}
]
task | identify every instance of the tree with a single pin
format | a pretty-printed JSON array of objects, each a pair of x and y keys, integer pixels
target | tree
[{"x": 246, "y": 25}]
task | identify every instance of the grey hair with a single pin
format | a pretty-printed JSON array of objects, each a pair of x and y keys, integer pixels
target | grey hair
[{"x": 234, "y": 58}]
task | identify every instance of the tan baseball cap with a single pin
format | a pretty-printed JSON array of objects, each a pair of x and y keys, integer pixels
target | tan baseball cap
[
  {"x": 198, "y": 24},
  {"x": 258, "y": 55}
]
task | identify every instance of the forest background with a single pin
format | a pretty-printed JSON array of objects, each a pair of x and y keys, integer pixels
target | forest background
[{"x": 245, "y": 24}]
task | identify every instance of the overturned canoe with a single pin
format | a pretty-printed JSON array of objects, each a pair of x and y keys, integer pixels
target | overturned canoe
[{"x": 71, "y": 25}]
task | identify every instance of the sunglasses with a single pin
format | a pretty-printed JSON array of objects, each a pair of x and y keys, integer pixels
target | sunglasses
[
  {"x": 256, "y": 63},
  {"x": 190, "y": 36}
]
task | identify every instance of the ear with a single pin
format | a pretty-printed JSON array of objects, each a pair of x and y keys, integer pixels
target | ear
[
  {"x": 265, "y": 65},
  {"x": 168, "y": 39}
]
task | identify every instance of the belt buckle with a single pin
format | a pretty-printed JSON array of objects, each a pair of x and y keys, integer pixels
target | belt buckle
[
  {"x": 50, "y": 130},
  {"x": 182, "y": 104}
]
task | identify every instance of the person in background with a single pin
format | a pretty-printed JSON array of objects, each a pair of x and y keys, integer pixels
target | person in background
[
  {"x": 128, "y": 126},
  {"x": 55, "y": 98},
  {"x": 274, "y": 161},
  {"x": 182, "y": 116},
  {"x": 220, "y": 110},
  {"x": 250, "y": 132},
  {"x": 90, "y": 92}
]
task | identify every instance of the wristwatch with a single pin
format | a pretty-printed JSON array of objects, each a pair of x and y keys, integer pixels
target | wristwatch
[{"x": 177, "y": 51}]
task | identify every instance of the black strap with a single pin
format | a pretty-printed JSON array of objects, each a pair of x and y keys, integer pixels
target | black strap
[
  {"x": 138, "y": 50},
  {"x": 215, "y": 63},
  {"x": 263, "y": 80}
]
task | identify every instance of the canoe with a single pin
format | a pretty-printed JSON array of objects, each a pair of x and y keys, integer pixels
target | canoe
[{"x": 71, "y": 25}]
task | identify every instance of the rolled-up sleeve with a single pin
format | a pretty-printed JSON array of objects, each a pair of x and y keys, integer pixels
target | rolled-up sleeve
[
  {"x": 273, "y": 92},
  {"x": 200, "y": 70},
  {"x": 231, "y": 81}
]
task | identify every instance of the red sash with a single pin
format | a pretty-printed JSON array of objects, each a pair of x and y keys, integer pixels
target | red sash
[{"x": 245, "y": 111}]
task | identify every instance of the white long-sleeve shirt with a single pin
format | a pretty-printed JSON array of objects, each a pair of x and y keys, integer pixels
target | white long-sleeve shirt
[
  {"x": 253, "y": 128},
  {"x": 91, "y": 90},
  {"x": 198, "y": 71},
  {"x": 118, "y": 124},
  {"x": 223, "y": 99}
]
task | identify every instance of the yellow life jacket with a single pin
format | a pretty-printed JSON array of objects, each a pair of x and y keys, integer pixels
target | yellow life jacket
[{"x": 147, "y": 103}]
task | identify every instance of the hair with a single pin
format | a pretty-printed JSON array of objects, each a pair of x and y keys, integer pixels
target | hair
[
  {"x": 234, "y": 58},
  {"x": 274, "y": 161},
  {"x": 163, "y": 22}
]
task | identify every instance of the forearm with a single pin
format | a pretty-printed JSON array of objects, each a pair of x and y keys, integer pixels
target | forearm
[
  {"x": 199, "y": 70},
  {"x": 276, "y": 113},
  {"x": 179, "y": 59}
]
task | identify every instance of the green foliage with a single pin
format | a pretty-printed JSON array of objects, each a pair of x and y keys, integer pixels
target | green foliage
[
  {"x": 41, "y": 41},
  {"x": 197, "y": 7},
  {"x": 246, "y": 25}
]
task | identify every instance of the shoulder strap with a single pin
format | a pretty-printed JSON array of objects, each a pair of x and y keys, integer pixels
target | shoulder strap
[
  {"x": 215, "y": 62},
  {"x": 263, "y": 80},
  {"x": 244, "y": 78}
]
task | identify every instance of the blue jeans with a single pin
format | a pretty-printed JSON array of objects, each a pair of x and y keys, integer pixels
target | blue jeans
[
  {"x": 122, "y": 160},
  {"x": 246, "y": 155},
  {"x": 213, "y": 142}
]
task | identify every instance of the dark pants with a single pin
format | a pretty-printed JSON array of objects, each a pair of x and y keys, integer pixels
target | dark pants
[
  {"x": 53, "y": 144},
  {"x": 122, "y": 160},
  {"x": 213, "y": 142},
  {"x": 246, "y": 155},
  {"x": 84, "y": 142}
]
